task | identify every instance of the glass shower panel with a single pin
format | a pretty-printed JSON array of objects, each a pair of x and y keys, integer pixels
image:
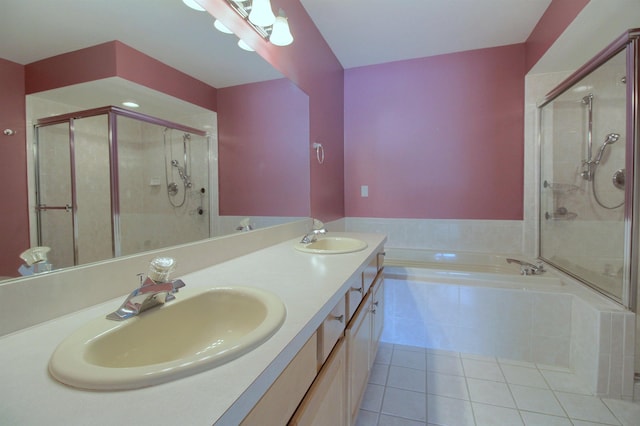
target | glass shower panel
[
  {"x": 163, "y": 178},
  {"x": 55, "y": 218},
  {"x": 582, "y": 178},
  {"x": 93, "y": 190}
]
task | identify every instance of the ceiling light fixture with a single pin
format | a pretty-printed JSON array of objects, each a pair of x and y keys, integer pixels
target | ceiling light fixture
[
  {"x": 193, "y": 4},
  {"x": 221, "y": 27},
  {"x": 261, "y": 13},
  {"x": 244, "y": 46},
  {"x": 130, "y": 104},
  {"x": 280, "y": 32},
  {"x": 258, "y": 14}
]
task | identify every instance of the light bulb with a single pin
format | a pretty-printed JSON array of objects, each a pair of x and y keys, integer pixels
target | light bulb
[
  {"x": 280, "y": 33},
  {"x": 193, "y": 4},
  {"x": 244, "y": 46},
  {"x": 221, "y": 27},
  {"x": 261, "y": 13}
]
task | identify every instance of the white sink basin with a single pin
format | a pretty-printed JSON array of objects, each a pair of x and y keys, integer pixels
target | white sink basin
[
  {"x": 332, "y": 245},
  {"x": 201, "y": 329}
]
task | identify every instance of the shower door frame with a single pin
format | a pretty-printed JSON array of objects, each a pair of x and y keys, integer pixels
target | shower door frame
[
  {"x": 629, "y": 41},
  {"x": 112, "y": 112}
]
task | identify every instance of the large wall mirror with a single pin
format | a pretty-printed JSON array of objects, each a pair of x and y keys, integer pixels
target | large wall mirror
[{"x": 247, "y": 162}]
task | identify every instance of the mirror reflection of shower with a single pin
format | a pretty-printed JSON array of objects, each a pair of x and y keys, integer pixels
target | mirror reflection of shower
[
  {"x": 173, "y": 189},
  {"x": 590, "y": 165}
]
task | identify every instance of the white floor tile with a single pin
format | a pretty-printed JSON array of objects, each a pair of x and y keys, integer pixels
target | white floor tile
[
  {"x": 397, "y": 421},
  {"x": 407, "y": 378},
  {"x": 482, "y": 370},
  {"x": 489, "y": 415},
  {"x": 366, "y": 418},
  {"x": 445, "y": 364},
  {"x": 537, "y": 419},
  {"x": 449, "y": 411},
  {"x": 518, "y": 375},
  {"x": 493, "y": 393},
  {"x": 447, "y": 385},
  {"x": 478, "y": 357},
  {"x": 403, "y": 403},
  {"x": 372, "y": 398},
  {"x": 538, "y": 400},
  {"x": 585, "y": 407},
  {"x": 385, "y": 351},
  {"x": 565, "y": 382},
  {"x": 409, "y": 359},
  {"x": 379, "y": 373},
  {"x": 443, "y": 352},
  {"x": 627, "y": 412},
  {"x": 488, "y": 392}
]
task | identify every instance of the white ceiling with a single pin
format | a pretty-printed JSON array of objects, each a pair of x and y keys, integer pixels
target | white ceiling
[
  {"x": 365, "y": 32},
  {"x": 360, "y": 32}
]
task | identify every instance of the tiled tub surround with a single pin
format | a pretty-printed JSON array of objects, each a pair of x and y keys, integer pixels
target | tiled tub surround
[
  {"x": 309, "y": 285},
  {"x": 537, "y": 319}
]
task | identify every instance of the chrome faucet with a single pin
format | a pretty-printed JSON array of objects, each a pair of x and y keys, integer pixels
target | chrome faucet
[
  {"x": 316, "y": 229},
  {"x": 527, "y": 268},
  {"x": 154, "y": 290}
]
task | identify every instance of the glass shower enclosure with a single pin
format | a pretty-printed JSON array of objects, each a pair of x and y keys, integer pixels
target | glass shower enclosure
[{"x": 112, "y": 182}]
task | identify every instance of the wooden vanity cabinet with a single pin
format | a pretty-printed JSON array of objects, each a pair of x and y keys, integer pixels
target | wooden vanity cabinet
[
  {"x": 326, "y": 402},
  {"x": 341, "y": 352},
  {"x": 358, "y": 336},
  {"x": 281, "y": 400}
]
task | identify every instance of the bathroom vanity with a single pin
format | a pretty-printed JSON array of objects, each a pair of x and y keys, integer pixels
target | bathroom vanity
[{"x": 313, "y": 370}]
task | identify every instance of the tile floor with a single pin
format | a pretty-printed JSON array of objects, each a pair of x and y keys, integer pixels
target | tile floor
[{"x": 412, "y": 386}]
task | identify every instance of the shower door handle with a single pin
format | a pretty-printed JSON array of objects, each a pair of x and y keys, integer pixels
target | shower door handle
[{"x": 44, "y": 207}]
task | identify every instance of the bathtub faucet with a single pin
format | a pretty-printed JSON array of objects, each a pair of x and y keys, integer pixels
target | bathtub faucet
[{"x": 527, "y": 268}]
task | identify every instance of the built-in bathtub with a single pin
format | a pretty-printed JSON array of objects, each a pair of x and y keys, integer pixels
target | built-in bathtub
[{"x": 478, "y": 303}]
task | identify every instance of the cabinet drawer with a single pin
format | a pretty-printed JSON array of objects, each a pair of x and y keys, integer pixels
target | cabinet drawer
[
  {"x": 369, "y": 274},
  {"x": 283, "y": 397},
  {"x": 354, "y": 297},
  {"x": 331, "y": 329}
]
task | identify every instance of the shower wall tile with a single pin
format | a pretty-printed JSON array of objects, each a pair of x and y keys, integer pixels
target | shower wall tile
[{"x": 493, "y": 236}]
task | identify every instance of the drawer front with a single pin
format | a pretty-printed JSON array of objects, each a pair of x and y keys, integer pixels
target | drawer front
[
  {"x": 332, "y": 329},
  {"x": 281, "y": 400},
  {"x": 354, "y": 297},
  {"x": 369, "y": 274}
]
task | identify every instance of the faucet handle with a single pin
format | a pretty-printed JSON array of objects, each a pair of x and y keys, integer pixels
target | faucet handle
[{"x": 160, "y": 268}]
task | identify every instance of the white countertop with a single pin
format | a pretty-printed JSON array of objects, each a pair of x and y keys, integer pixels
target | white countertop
[{"x": 309, "y": 285}]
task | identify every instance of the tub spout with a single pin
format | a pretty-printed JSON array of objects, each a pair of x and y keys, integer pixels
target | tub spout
[{"x": 527, "y": 268}]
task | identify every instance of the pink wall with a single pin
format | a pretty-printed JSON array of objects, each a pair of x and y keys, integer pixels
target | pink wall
[
  {"x": 555, "y": 20},
  {"x": 259, "y": 126},
  {"x": 14, "y": 226},
  {"x": 438, "y": 137},
  {"x": 309, "y": 63},
  {"x": 117, "y": 59}
]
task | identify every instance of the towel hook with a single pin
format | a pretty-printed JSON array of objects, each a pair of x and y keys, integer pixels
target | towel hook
[{"x": 319, "y": 152}]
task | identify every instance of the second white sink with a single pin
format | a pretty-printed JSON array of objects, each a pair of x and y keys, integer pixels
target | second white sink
[
  {"x": 332, "y": 245},
  {"x": 201, "y": 329}
]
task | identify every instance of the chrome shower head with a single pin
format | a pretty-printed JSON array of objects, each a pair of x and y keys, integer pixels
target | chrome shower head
[{"x": 611, "y": 138}]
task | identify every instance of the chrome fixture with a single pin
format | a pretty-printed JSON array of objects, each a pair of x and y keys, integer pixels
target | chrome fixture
[
  {"x": 319, "y": 152},
  {"x": 587, "y": 174},
  {"x": 317, "y": 229},
  {"x": 527, "y": 268},
  {"x": 186, "y": 179},
  {"x": 259, "y": 15},
  {"x": 618, "y": 178},
  {"x": 154, "y": 290},
  {"x": 8, "y": 132},
  {"x": 611, "y": 138}
]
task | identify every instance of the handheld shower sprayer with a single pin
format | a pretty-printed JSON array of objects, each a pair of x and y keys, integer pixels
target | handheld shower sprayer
[{"x": 611, "y": 138}]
